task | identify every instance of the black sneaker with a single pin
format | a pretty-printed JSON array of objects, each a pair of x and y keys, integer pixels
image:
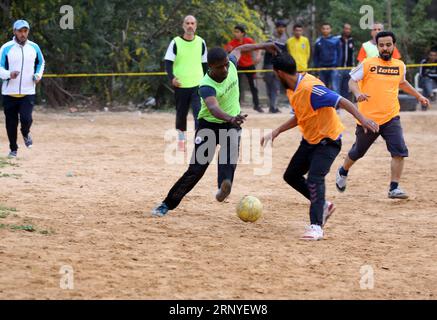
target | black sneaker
[
  {"x": 28, "y": 141},
  {"x": 259, "y": 109},
  {"x": 274, "y": 111},
  {"x": 224, "y": 191}
]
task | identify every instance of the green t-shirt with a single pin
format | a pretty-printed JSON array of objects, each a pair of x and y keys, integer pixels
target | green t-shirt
[
  {"x": 187, "y": 66},
  {"x": 227, "y": 94}
]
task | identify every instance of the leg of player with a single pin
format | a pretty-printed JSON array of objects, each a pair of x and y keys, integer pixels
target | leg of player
[
  {"x": 323, "y": 156},
  {"x": 397, "y": 166},
  {"x": 362, "y": 143},
  {"x": 182, "y": 96},
  {"x": 25, "y": 110},
  {"x": 229, "y": 141},
  {"x": 203, "y": 154},
  {"x": 11, "y": 108}
]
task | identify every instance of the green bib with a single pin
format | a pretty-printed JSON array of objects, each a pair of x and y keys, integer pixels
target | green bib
[
  {"x": 227, "y": 94},
  {"x": 371, "y": 50},
  {"x": 187, "y": 66}
]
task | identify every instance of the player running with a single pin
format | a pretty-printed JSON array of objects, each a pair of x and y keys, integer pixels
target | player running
[
  {"x": 314, "y": 108},
  {"x": 219, "y": 123},
  {"x": 375, "y": 84}
]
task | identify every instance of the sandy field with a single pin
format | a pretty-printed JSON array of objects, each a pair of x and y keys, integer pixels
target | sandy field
[{"x": 80, "y": 201}]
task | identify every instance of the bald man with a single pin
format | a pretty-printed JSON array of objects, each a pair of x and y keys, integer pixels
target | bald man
[{"x": 186, "y": 64}]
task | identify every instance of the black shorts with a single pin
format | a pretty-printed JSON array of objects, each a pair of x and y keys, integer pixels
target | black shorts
[{"x": 392, "y": 134}]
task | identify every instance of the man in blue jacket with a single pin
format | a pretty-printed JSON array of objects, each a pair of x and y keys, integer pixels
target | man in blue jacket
[
  {"x": 327, "y": 54},
  {"x": 21, "y": 68}
]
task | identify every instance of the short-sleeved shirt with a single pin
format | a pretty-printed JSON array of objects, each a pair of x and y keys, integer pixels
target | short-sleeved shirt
[
  {"x": 246, "y": 57},
  {"x": 380, "y": 80}
]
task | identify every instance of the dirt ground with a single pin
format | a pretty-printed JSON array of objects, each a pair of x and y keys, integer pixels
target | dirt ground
[{"x": 86, "y": 189}]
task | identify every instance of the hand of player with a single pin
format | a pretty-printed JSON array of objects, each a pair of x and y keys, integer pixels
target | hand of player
[
  {"x": 175, "y": 82},
  {"x": 423, "y": 101},
  {"x": 238, "y": 120},
  {"x": 269, "y": 137},
  {"x": 368, "y": 124},
  {"x": 36, "y": 78},
  {"x": 272, "y": 48},
  {"x": 14, "y": 74},
  {"x": 362, "y": 97}
]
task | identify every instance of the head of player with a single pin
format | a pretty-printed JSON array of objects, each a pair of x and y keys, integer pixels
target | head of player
[
  {"x": 21, "y": 31},
  {"x": 284, "y": 67},
  {"x": 218, "y": 64},
  {"x": 385, "y": 41},
  {"x": 190, "y": 26}
]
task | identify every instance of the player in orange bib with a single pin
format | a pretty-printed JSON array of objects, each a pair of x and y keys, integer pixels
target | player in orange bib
[
  {"x": 314, "y": 113},
  {"x": 375, "y": 84}
]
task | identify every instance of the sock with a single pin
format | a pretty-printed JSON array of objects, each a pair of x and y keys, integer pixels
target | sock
[
  {"x": 393, "y": 185},
  {"x": 343, "y": 172},
  {"x": 181, "y": 135}
]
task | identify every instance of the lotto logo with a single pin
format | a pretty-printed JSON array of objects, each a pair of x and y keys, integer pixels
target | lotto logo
[{"x": 392, "y": 71}]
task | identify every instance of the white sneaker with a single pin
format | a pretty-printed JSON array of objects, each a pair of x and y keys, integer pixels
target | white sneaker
[
  {"x": 340, "y": 181},
  {"x": 397, "y": 193},
  {"x": 328, "y": 210},
  {"x": 312, "y": 232}
]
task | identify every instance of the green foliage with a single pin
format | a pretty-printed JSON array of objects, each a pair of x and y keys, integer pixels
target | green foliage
[{"x": 133, "y": 35}]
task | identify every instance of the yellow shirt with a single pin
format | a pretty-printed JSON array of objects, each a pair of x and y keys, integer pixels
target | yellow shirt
[
  {"x": 300, "y": 50},
  {"x": 380, "y": 80}
]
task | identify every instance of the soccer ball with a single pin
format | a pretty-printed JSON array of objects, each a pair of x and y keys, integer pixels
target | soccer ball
[{"x": 249, "y": 209}]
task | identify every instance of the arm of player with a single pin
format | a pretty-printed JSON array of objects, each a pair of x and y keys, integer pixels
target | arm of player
[
  {"x": 289, "y": 124},
  {"x": 366, "y": 123},
  {"x": 213, "y": 106},
  {"x": 268, "y": 46},
  {"x": 353, "y": 85},
  {"x": 408, "y": 88}
]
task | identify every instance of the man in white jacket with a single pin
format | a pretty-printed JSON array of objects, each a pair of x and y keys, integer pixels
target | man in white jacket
[{"x": 21, "y": 68}]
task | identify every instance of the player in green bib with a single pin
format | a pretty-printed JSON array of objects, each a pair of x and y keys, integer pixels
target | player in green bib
[{"x": 220, "y": 123}]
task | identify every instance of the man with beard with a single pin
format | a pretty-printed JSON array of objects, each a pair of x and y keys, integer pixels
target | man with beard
[
  {"x": 185, "y": 63},
  {"x": 21, "y": 68},
  {"x": 314, "y": 113},
  {"x": 375, "y": 83}
]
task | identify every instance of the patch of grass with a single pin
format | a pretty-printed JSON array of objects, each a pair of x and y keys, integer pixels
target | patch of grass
[
  {"x": 5, "y": 162},
  {"x": 28, "y": 227},
  {"x": 5, "y": 211},
  {"x": 10, "y": 175}
]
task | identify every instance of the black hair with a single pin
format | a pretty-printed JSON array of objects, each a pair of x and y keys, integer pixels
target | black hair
[
  {"x": 284, "y": 62},
  {"x": 240, "y": 27},
  {"x": 326, "y": 24},
  {"x": 383, "y": 34},
  {"x": 280, "y": 23},
  {"x": 297, "y": 25},
  {"x": 216, "y": 55},
  {"x": 433, "y": 49}
]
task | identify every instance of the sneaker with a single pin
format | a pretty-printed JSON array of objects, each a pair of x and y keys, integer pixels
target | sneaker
[
  {"x": 312, "y": 232},
  {"x": 28, "y": 141},
  {"x": 397, "y": 193},
  {"x": 328, "y": 210},
  {"x": 259, "y": 109},
  {"x": 274, "y": 111},
  {"x": 12, "y": 154},
  {"x": 182, "y": 145},
  {"x": 224, "y": 191},
  {"x": 340, "y": 181},
  {"x": 160, "y": 210}
]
